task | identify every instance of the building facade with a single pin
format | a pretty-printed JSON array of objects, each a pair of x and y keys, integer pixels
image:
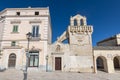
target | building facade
[
  {"x": 107, "y": 54},
  {"x": 77, "y": 55},
  {"x": 15, "y": 23}
]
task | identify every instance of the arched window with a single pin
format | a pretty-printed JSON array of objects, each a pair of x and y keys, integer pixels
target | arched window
[
  {"x": 82, "y": 22},
  {"x": 75, "y": 22}
]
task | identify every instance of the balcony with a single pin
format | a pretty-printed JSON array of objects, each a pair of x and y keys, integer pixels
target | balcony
[{"x": 36, "y": 37}]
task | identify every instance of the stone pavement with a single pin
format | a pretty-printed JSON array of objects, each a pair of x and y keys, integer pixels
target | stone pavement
[{"x": 13, "y": 74}]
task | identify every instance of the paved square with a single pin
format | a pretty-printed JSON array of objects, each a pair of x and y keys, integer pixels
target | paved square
[{"x": 13, "y": 74}]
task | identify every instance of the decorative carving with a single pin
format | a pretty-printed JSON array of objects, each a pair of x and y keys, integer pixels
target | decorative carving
[
  {"x": 33, "y": 49},
  {"x": 58, "y": 48},
  {"x": 81, "y": 29},
  {"x": 109, "y": 55}
]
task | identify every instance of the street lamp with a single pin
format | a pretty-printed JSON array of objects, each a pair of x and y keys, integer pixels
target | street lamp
[
  {"x": 28, "y": 35},
  {"x": 47, "y": 63}
]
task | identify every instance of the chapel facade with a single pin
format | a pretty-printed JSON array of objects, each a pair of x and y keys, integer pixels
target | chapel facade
[{"x": 77, "y": 54}]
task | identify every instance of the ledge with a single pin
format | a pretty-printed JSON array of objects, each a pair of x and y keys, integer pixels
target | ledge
[
  {"x": 57, "y": 53},
  {"x": 16, "y": 22},
  {"x": 12, "y": 47},
  {"x": 14, "y": 32}
]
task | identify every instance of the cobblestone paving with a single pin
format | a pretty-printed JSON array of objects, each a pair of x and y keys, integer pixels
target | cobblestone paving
[{"x": 12, "y": 74}]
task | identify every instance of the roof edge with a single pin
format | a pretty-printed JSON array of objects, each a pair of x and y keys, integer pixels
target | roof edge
[{"x": 29, "y": 8}]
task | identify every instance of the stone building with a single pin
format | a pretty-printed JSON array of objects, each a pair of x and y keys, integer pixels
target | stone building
[
  {"x": 15, "y": 23},
  {"x": 77, "y": 55},
  {"x": 107, "y": 54}
]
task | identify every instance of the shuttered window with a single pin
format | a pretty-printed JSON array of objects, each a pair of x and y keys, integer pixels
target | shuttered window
[{"x": 15, "y": 28}]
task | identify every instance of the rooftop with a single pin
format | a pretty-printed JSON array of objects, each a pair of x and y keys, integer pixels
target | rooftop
[
  {"x": 107, "y": 39},
  {"x": 106, "y": 48}
]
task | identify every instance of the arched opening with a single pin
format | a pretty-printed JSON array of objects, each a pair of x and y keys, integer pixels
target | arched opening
[
  {"x": 82, "y": 22},
  {"x": 12, "y": 60},
  {"x": 101, "y": 64},
  {"x": 116, "y": 62},
  {"x": 75, "y": 22}
]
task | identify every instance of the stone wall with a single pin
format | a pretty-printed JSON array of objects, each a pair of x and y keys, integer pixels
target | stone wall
[{"x": 74, "y": 58}]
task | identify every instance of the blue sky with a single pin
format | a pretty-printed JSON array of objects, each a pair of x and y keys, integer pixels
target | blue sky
[{"x": 104, "y": 15}]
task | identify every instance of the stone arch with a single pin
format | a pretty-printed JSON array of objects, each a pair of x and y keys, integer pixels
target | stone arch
[
  {"x": 81, "y": 22},
  {"x": 101, "y": 63},
  {"x": 12, "y": 60},
  {"x": 116, "y": 62},
  {"x": 75, "y": 22}
]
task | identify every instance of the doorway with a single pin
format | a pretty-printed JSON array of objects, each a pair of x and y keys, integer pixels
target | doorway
[
  {"x": 58, "y": 63},
  {"x": 12, "y": 60}
]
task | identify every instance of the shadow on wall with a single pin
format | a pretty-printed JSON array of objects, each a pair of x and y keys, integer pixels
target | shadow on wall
[{"x": 2, "y": 69}]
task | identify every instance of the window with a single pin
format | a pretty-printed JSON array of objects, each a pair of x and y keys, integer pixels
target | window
[
  {"x": 36, "y": 13},
  {"x": 15, "y": 28},
  {"x": 35, "y": 31},
  {"x": 34, "y": 59},
  {"x": 18, "y": 13},
  {"x": 13, "y": 43}
]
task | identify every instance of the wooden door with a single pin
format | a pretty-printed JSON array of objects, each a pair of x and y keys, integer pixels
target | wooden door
[
  {"x": 12, "y": 60},
  {"x": 57, "y": 63}
]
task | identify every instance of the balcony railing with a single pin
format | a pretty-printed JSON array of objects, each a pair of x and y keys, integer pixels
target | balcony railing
[{"x": 36, "y": 37}]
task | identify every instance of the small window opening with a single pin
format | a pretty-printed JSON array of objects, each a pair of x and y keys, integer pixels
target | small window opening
[{"x": 36, "y": 13}]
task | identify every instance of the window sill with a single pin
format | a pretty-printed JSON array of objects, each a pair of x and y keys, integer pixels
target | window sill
[
  {"x": 14, "y": 32},
  {"x": 12, "y": 47},
  {"x": 35, "y": 38}
]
